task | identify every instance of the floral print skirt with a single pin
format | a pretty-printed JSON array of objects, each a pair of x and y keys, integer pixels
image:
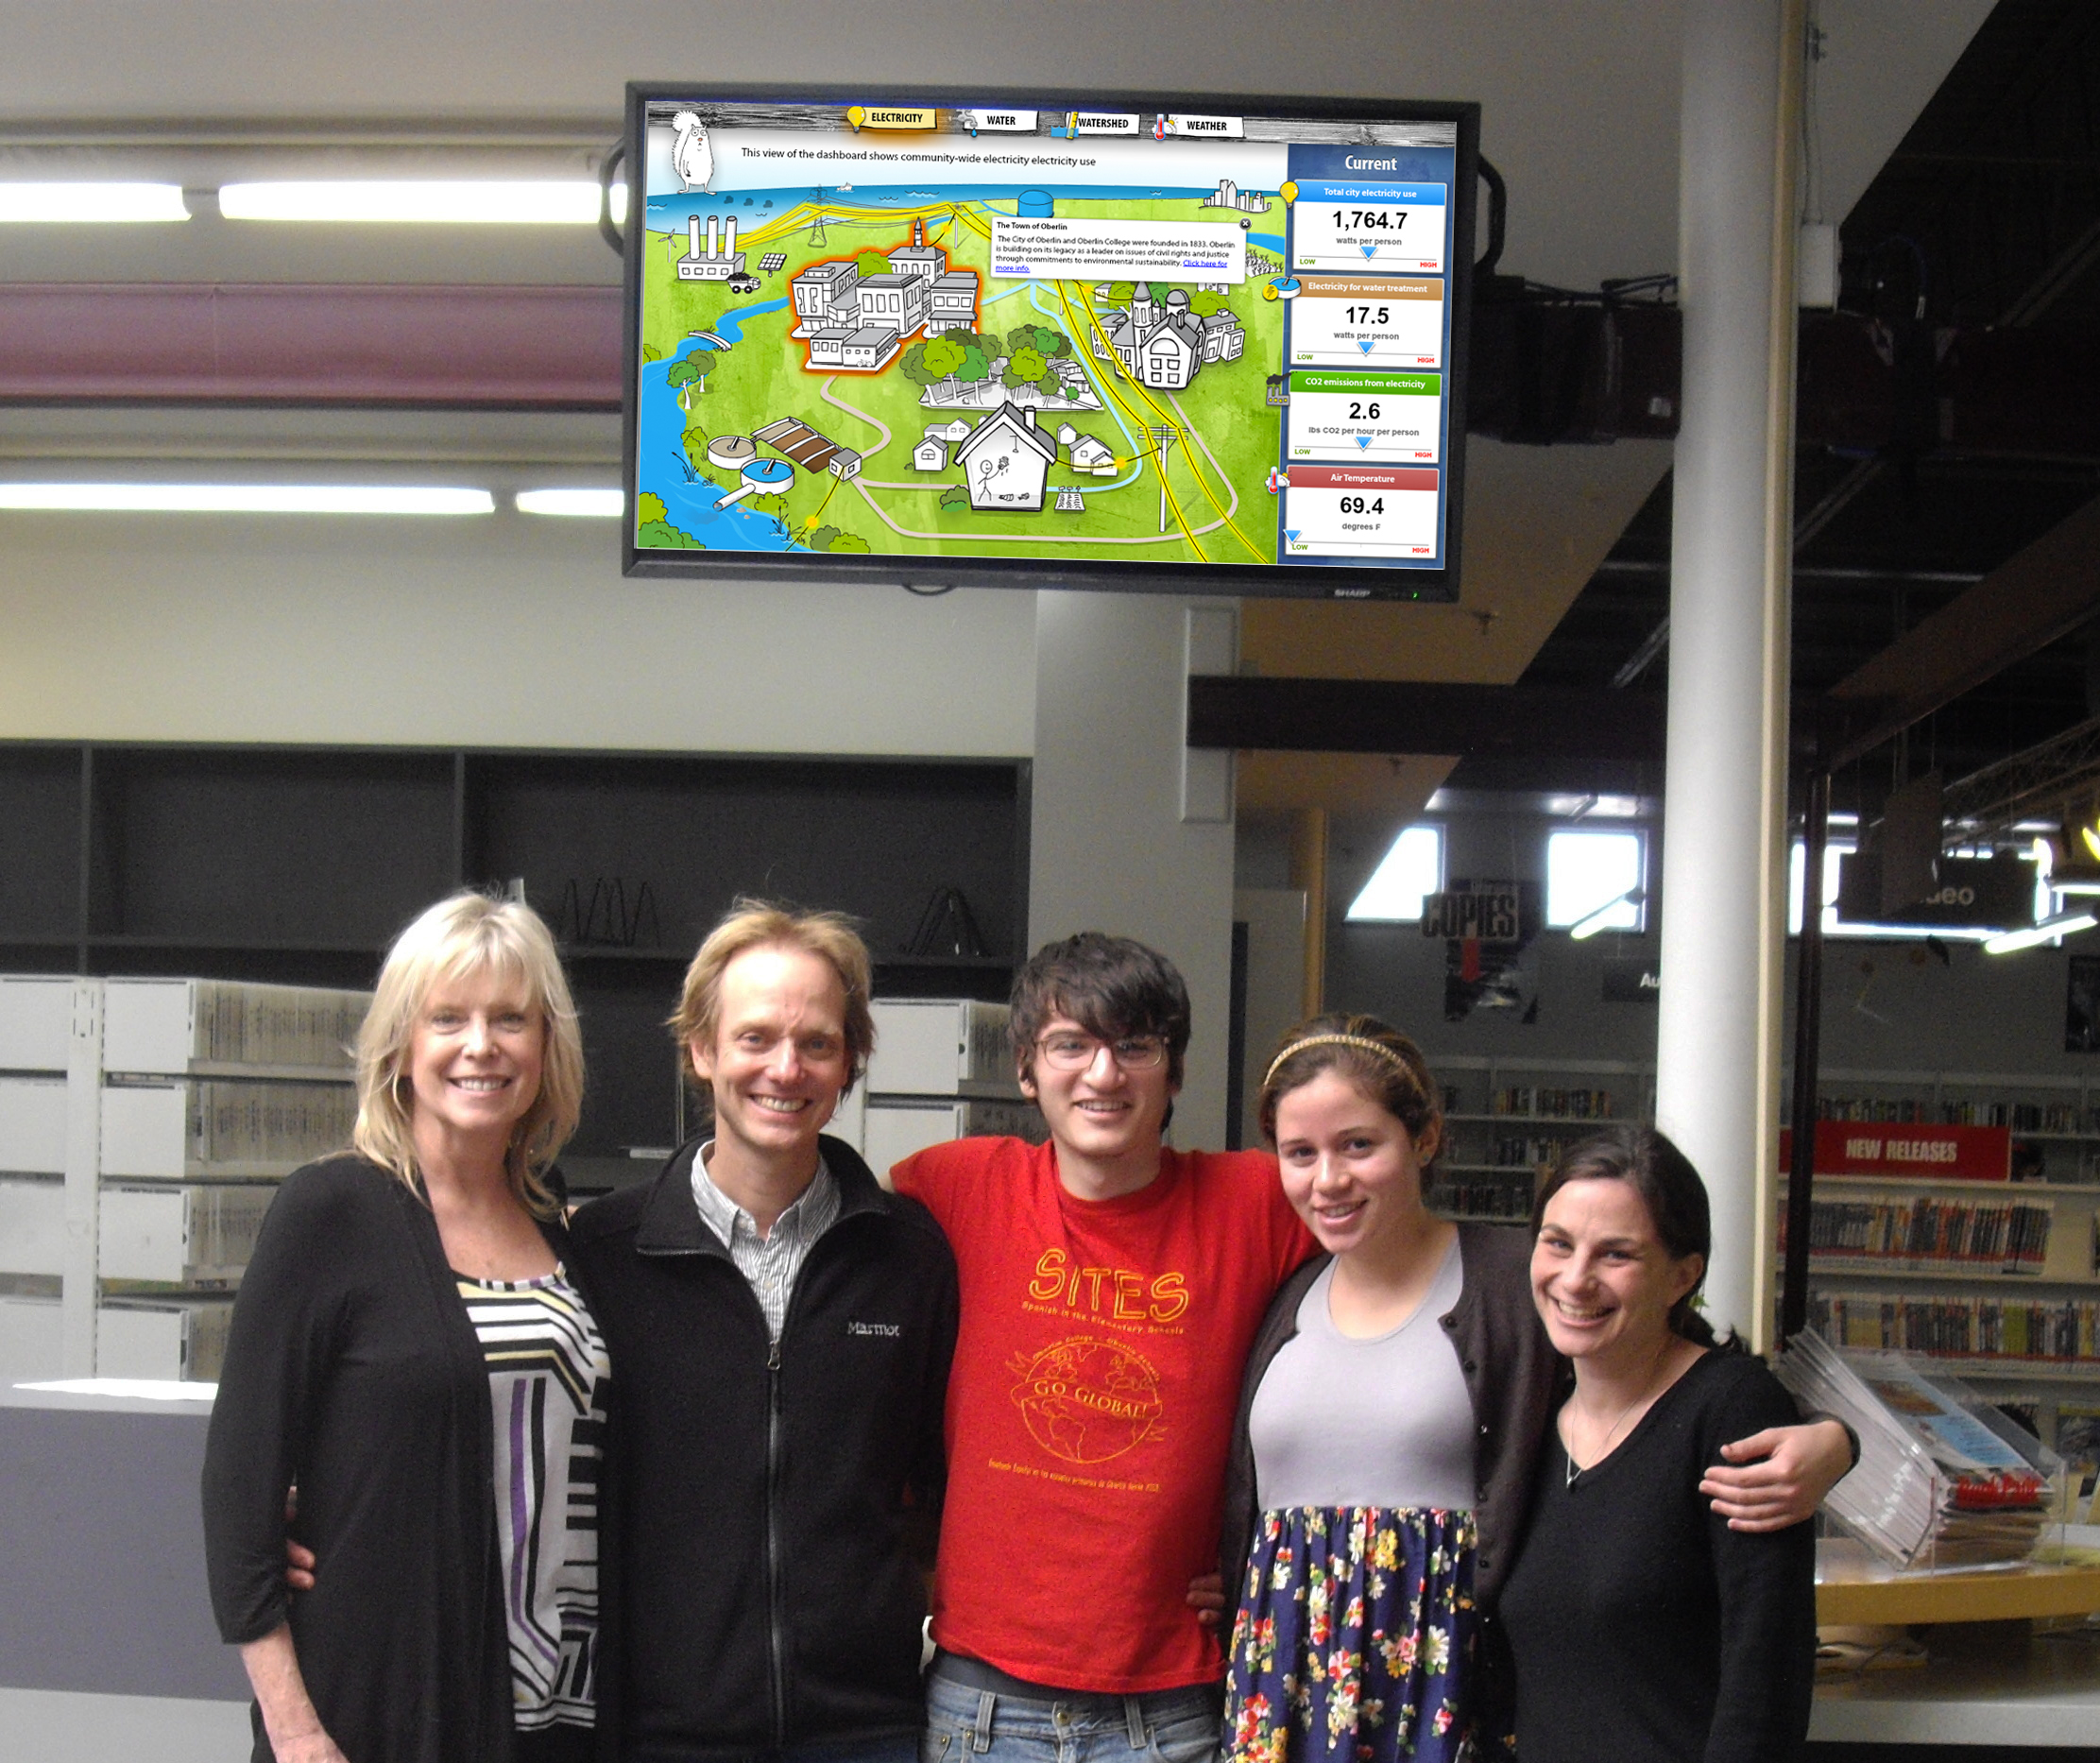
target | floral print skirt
[{"x": 1354, "y": 1633}]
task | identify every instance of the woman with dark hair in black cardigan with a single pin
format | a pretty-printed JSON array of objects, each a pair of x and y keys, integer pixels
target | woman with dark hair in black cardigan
[{"x": 1644, "y": 1628}]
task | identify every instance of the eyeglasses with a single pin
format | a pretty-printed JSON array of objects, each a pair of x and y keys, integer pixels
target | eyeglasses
[{"x": 1075, "y": 1052}]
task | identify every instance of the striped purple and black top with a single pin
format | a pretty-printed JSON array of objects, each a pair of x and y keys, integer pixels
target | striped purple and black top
[{"x": 548, "y": 1370}]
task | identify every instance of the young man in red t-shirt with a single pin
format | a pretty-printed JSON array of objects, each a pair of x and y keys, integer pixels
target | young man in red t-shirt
[{"x": 1111, "y": 1288}]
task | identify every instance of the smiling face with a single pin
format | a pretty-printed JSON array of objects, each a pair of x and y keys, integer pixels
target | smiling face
[
  {"x": 1601, "y": 1277},
  {"x": 474, "y": 1060},
  {"x": 779, "y": 1063},
  {"x": 1349, "y": 1167},
  {"x": 1104, "y": 1114}
]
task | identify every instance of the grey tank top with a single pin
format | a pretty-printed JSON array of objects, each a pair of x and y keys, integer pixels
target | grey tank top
[{"x": 1379, "y": 1422}]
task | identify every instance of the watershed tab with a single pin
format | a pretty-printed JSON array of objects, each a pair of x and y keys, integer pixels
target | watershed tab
[{"x": 1105, "y": 122}]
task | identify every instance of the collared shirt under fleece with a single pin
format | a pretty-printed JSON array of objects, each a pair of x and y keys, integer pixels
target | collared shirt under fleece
[{"x": 769, "y": 1262}]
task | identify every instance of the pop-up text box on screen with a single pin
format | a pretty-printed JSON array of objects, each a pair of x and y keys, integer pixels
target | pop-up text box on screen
[{"x": 1124, "y": 250}]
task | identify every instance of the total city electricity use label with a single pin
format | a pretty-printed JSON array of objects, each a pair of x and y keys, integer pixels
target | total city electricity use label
[
  {"x": 1365, "y": 416},
  {"x": 1386, "y": 228}
]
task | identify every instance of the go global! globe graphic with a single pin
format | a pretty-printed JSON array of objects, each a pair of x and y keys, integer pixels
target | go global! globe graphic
[{"x": 1088, "y": 1400}]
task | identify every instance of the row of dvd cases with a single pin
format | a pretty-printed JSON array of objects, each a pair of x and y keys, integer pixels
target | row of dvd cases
[{"x": 144, "y": 1124}]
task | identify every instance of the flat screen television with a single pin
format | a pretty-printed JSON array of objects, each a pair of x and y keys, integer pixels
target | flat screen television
[{"x": 1130, "y": 341}]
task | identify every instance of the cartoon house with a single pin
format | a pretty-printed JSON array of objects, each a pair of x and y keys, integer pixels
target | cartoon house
[
  {"x": 930, "y": 454},
  {"x": 844, "y": 463},
  {"x": 1164, "y": 344},
  {"x": 1089, "y": 454},
  {"x": 824, "y": 298},
  {"x": 1005, "y": 460}
]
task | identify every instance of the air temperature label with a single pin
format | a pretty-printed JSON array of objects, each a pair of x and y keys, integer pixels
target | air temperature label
[
  {"x": 1352, "y": 512},
  {"x": 1388, "y": 228},
  {"x": 1365, "y": 416}
]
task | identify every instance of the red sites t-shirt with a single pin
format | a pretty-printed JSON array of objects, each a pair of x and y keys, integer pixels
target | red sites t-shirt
[{"x": 1090, "y": 1408}]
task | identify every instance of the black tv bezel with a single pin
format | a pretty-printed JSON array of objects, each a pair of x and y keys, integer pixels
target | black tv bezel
[{"x": 1275, "y": 581}]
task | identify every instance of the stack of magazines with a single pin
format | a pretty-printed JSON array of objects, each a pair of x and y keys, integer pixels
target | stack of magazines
[{"x": 1944, "y": 1479}]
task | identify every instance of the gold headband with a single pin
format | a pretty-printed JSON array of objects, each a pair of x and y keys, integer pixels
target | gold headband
[{"x": 1364, "y": 1041}]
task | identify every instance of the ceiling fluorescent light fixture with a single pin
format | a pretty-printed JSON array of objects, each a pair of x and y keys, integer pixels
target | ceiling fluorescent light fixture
[
  {"x": 562, "y": 202},
  {"x": 245, "y": 498},
  {"x": 1583, "y": 929},
  {"x": 2063, "y": 924},
  {"x": 85, "y": 203},
  {"x": 596, "y": 504}
]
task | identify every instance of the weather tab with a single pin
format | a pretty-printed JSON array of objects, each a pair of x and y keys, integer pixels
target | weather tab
[{"x": 1358, "y": 513}]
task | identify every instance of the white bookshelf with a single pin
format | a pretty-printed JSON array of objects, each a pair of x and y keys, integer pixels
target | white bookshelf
[{"x": 144, "y": 1124}]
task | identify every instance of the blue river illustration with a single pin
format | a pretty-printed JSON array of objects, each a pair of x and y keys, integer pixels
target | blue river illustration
[{"x": 689, "y": 497}]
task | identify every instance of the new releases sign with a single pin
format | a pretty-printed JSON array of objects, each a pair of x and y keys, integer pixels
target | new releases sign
[
  {"x": 1936, "y": 1152},
  {"x": 1486, "y": 911}
]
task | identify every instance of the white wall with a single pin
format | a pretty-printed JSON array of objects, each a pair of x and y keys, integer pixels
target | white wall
[
  {"x": 1108, "y": 850},
  {"x": 501, "y": 630}
]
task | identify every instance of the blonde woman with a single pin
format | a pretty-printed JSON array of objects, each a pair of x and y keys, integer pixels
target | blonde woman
[{"x": 408, "y": 1351}]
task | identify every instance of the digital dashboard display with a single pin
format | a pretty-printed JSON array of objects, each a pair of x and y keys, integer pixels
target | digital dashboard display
[{"x": 1166, "y": 344}]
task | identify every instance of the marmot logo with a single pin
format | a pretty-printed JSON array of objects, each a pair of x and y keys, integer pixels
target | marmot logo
[{"x": 889, "y": 1331}]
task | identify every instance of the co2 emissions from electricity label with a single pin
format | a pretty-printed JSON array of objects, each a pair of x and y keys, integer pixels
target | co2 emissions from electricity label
[
  {"x": 1366, "y": 321},
  {"x": 1386, "y": 228},
  {"x": 1392, "y": 416},
  {"x": 1357, "y": 511}
]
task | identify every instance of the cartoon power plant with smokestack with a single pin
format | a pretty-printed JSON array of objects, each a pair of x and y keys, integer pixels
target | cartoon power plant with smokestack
[{"x": 714, "y": 259}]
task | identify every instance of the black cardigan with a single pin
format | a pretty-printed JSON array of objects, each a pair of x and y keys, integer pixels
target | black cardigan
[
  {"x": 352, "y": 1370},
  {"x": 763, "y": 1589}
]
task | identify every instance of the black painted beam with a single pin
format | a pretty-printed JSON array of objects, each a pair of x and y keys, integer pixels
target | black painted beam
[{"x": 1403, "y": 716}]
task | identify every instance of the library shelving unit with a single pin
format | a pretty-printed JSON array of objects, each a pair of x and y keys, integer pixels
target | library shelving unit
[
  {"x": 296, "y": 864},
  {"x": 1507, "y": 1119},
  {"x": 1998, "y": 1282},
  {"x": 144, "y": 1124}
]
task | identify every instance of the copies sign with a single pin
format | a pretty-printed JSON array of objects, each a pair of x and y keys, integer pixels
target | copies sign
[
  {"x": 1932, "y": 1153},
  {"x": 1485, "y": 913}
]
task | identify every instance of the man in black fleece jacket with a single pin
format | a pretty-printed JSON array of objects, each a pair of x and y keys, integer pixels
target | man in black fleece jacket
[{"x": 780, "y": 1329}]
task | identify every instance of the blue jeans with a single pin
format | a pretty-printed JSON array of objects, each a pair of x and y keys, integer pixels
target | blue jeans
[{"x": 966, "y": 1725}]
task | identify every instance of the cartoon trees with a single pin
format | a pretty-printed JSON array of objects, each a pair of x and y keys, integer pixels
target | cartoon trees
[{"x": 691, "y": 374}]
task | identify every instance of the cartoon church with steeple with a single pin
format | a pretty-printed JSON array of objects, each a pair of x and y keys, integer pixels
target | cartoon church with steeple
[{"x": 1164, "y": 344}]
